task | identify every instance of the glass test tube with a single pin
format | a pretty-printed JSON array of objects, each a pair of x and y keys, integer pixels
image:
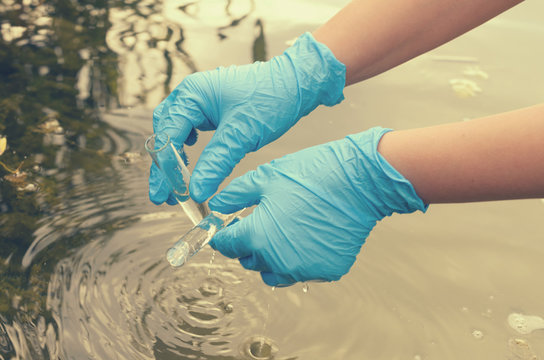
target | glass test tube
[
  {"x": 207, "y": 223},
  {"x": 170, "y": 162},
  {"x": 196, "y": 238}
]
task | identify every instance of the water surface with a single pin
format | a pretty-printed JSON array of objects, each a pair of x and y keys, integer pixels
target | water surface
[{"x": 83, "y": 272}]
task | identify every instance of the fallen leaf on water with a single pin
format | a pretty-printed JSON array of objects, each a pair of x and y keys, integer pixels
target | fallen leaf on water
[
  {"x": 3, "y": 144},
  {"x": 17, "y": 178}
]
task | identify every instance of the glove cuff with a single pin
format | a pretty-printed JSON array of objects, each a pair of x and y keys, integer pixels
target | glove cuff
[
  {"x": 320, "y": 76},
  {"x": 388, "y": 190}
]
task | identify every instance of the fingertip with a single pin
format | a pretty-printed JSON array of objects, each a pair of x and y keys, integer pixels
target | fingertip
[
  {"x": 171, "y": 200},
  {"x": 231, "y": 241},
  {"x": 157, "y": 192},
  {"x": 222, "y": 242},
  {"x": 198, "y": 190},
  {"x": 241, "y": 193},
  {"x": 154, "y": 200},
  {"x": 252, "y": 263},
  {"x": 277, "y": 280},
  {"x": 192, "y": 138},
  {"x": 212, "y": 244},
  {"x": 219, "y": 205}
]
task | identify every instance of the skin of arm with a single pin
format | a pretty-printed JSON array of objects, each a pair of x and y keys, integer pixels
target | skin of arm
[
  {"x": 494, "y": 158},
  {"x": 499, "y": 157},
  {"x": 372, "y": 36}
]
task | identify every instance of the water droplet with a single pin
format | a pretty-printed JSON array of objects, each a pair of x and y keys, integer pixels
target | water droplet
[
  {"x": 229, "y": 308},
  {"x": 305, "y": 288},
  {"x": 211, "y": 263}
]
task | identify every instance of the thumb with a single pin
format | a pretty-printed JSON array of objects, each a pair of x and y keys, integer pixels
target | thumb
[
  {"x": 242, "y": 192},
  {"x": 232, "y": 241},
  {"x": 228, "y": 146}
]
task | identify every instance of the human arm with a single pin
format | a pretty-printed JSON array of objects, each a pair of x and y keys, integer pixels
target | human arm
[
  {"x": 249, "y": 106},
  {"x": 371, "y": 37},
  {"x": 316, "y": 207},
  {"x": 498, "y": 157}
]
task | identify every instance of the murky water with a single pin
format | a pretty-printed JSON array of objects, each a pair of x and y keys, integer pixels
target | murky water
[{"x": 82, "y": 257}]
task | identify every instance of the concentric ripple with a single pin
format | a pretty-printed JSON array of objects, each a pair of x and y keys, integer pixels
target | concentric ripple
[{"x": 120, "y": 296}]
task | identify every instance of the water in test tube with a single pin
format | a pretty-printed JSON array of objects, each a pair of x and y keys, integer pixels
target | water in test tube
[
  {"x": 194, "y": 240},
  {"x": 170, "y": 162}
]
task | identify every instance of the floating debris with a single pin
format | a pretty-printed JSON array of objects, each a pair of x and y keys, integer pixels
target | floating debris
[
  {"x": 525, "y": 324},
  {"x": 465, "y": 88},
  {"x": 17, "y": 178},
  {"x": 3, "y": 144},
  {"x": 521, "y": 350}
]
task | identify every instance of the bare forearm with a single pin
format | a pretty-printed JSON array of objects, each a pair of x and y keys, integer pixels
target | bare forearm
[
  {"x": 494, "y": 158},
  {"x": 372, "y": 36}
]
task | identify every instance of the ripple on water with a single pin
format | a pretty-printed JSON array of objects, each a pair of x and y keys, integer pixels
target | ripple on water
[{"x": 121, "y": 296}]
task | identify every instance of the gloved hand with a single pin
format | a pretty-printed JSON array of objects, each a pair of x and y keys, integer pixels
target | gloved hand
[
  {"x": 315, "y": 209},
  {"x": 249, "y": 106}
]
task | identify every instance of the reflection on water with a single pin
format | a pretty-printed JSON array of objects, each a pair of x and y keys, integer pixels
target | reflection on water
[{"x": 82, "y": 268}]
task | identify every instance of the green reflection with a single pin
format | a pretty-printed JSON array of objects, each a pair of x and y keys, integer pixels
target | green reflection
[
  {"x": 57, "y": 75},
  {"x": 51, "y": 132}
]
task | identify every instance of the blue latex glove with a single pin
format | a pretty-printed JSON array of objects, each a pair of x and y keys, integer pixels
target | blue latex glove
[
  {"x": 315, "y": 209},
  {"x": 249, "y": 106}
]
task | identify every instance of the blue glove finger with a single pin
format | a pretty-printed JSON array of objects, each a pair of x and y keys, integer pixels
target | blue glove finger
[
  {"x": 192, "y": 138},
  {"x": 242, "y": 192},
  {"x": 232, "y": 241},
  {"x": 251, "y": 262},
  {"x": 227, "y": 147},
  {"x": 172, "y": 199},
  {"x": 159, "y": 189},
  {"x": 183, "y": 108},
  {"x": 272, "y": 279}
]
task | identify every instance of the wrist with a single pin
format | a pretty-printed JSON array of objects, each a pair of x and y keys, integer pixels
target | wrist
[
  {"x": 385, "y": 188},
  {"x": 320, "y": 76}
]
